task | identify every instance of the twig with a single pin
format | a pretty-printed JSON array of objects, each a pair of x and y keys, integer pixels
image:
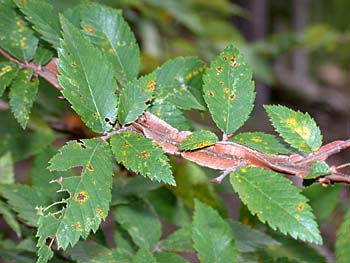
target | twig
[{"x": 116, "y": 131}]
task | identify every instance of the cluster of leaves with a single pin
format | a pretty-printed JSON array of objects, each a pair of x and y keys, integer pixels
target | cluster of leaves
[{"x": 98, "y": 64}]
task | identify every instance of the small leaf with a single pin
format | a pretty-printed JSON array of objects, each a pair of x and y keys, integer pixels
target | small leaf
[
  {"x": 90, "y": 252},
  {"x": 22, "y": 95},
  {"x": 142, "y": 155},
  {"x": 89, "y": 193},
  {"x": 212, "y": 236},
  {"x": 165, "y": 257},
  {"x": 133, "y": 98},
  {"x": 179, "y": 241},
  {"x": 8, "y": 71},
  {"x": 112, "y": 34},
  {"x": 276, "y": 201},
  {"x": 262, "y": 142},
  {"x": 144, "y": 256},
  {"x": 197, "y": 140},
  {"x": 141, "y": 222},
  {"x": 44, "y": 18},
  {"x": 175, "y": 79},
  {"x": 43, "y": 55},
  {"x": 87, "y": 79},
  {"x": 343, "y": 241},
  {"x": 15, "y": 35},
  {"x": 7, "y": 175},
  {"x": 318, "y": 168},
  {"x": 10, "y": 218},
  {"x": 229, "y": 90},
  {"x": 296, "y": 128}
]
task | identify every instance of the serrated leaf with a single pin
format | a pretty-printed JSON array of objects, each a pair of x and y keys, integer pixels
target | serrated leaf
[
  {"x": 295, "y": 127},
  {"x": 229, "y": 90},
  {"x": 343, "y": 241},
  {"x": 90, "y": 252},
  {"x": 172, "y": 115},
  {"x": 165, "y": 257},
  {"x": 140, "y": 220},
  {"x": 21, "y": 42},
  {"x": 89, "y": 194},
  {"x": 179, "y": 241},
  {"x": 212, "y": 236},
  {"x": 87, "y": 79},
  {"x": 175, "y": 79},
  {"x": 142, "y": 155},
  {"x": 22, "y": 95},
  {"x": 24, "y": 199},
  {"x": 44, "y": 18},
  {"x": 276, "y": 201},
  {"x": 197, "y": 140},
  {"x": 111, "y": 33},
  {"x": 318, "y": 168},
  {"x": 262, "y": 142},
  {"x": 133, "y": 98},
  {"x": 8, "y": 71},
  {"x": 7, "y": 175},
  {"x": 43, "y": 55},
  {"x": 144, "y": 256},
  {"x": 10, "y": 218}
]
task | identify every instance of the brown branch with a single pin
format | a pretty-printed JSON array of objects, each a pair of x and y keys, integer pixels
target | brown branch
[{"x": 224, "y": 155}]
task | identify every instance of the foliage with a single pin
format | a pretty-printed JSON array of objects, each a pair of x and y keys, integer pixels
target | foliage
[{"x": 117, "y": 165}]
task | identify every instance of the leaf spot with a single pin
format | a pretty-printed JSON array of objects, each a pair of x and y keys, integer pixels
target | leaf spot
[
  {"x": 256, "y": 139},
  {"x": 232, "y": 96},
  {"x": 145, "y": 154},
  {"x": 90, "y": 168},
  {"x": 100, "y": 212},
  {"x": 233, "y": 61},
  {"x": 291, "y": 122},
  {"x": 301, "y": 207},
  {"x": 226, "y": 90},
  {"x": 89, "y": 29},
  {"x": 77, "y": 226},
  {"x": 211, "y": 94},
  {"x": 151, "y": 85},
  {"x": 219, "y": 70},
  {"x": 304, "y": 132},
  {"x": 81, "y": 197}
]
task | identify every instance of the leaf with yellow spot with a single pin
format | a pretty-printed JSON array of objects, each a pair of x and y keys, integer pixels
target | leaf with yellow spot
[
  {"x": 197, "y": 140},
  {"x": 276, "y": 202},
  {"x": 134, "y": 97},
  {"x": 142, "y": 155},
  {"x": 262, "y": 142},
  {"x": 8, "y": 71},
  {"x": 22, "y": 95},
  {"x": 89, "y": 193},
  {"x": 296, "y": 128},
  {"x": 229, "y": 90}
]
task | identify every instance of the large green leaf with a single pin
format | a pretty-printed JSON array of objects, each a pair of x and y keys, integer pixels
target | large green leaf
[
  {"x": 87, "y": 79},
  {"x": 141, "y": 222},
  {"x": 179, "y": 241},
  {"x": 197, "y": 140},
  {"x": 175, "y": 80},
  {"x": 229, "y": 90},
  {"x": 15, "y": 35},
  {"x": 296, "y": 128},
  {"x": 22, "y": 95},
  {"x": 133, "y": 98},
  {"x": 111, "y": 33},
  {"x": 343, "y": 241},
  {"x": 212, "y": 236},
  {"x": 44, "y": 18},
  {"x": 276, "y": 201},
  {"x": 7, "y": 175},
  {"x": 142, "y": 155},
  {"x": 89, "y": 194},
  {"x": 8, "y": 71}
]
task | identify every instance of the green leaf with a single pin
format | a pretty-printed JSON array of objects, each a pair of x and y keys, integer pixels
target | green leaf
[
  {"x": 276, "y": 201},
  {"x": 318, "y": 168},
  {"x": 144, "y": 256},
  {"x": 22, "y": 95},
  {"x": 164, "y": 257},
  {"x": 179, "y": 241},
  {"x": 89, "y": 194},
  {"x": 262, "y": 142},
  {"x": 90, "y": 252},
  {"x": 111, "y": 33},
  {"x": 212, "y": 236},
  {"x": 229, "y": 90},
  {"x": 296, "y": 128},
  {"x": 250, "y": 240},
  {"x": 172, "y": 115},
  {"x": 175, "y": 79},
  {"x": 141, "y": 222},
  {"x": 10, "y": 218},
  {"x": 343, "y": 241},
  {"x": 197, "y": 140},
  {"x": 142, "y": 155},
  {"x": 15, "y": 35},
  {"x": 8, "y": 71},
  {"x": 87, "y": 79},
  {"x": 44, "y": 18},
  {"x": 43, "y": 55},
  {"x": 7, "y": 175},
  {"x": 24, "y": 199},
  {"x": 133, "y": 98}
]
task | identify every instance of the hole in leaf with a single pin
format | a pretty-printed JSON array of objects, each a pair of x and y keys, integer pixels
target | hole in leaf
[{"x": 81, "y": 143}]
